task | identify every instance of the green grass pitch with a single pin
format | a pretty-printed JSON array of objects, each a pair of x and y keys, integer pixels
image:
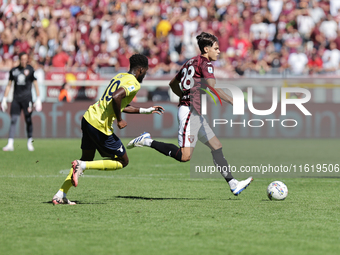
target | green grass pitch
[{"x": 154, "y": 207}]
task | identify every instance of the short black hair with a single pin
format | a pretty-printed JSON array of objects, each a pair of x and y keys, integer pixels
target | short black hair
[
  {"x": 204, "y": 40},
  {"x": 138, "y": 60},
  {"x": 21, "y": 54}
]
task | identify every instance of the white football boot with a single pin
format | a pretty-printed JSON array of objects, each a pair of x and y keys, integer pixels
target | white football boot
[
  {"x": 30, "y": 144},
  {"x": 8, "y": 147},
  {"x": 59, "y": 201},
  {"x": 77, "y": 171},
  {"x": 239, "y": 186},
  {"x": 138, "y": 141}
]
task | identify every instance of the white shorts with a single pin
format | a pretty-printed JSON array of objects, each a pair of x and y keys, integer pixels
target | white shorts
[{"x": 192, "y": 127}]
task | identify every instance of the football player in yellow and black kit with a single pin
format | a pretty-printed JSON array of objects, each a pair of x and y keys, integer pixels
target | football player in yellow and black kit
[{"x": 97, "y": 126}]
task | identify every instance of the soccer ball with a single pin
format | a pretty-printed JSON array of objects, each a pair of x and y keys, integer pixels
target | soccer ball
[{"x": 277, "y": 191}]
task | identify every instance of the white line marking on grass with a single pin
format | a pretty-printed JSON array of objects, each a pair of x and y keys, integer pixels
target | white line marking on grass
[
  {"x": 147, "y": 177},
  {"x": 66, "y": 171},
  {"x": 163, "y": 165},
  {"x": 102, "y": 176},
  {"x": 137, "y": 177},
  {"x": 29, "y": 176}
]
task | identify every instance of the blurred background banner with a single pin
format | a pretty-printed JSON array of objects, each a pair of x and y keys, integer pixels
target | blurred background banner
[
  {"x": 76, "y": 92},
  {"x": 63, "y": 120}
]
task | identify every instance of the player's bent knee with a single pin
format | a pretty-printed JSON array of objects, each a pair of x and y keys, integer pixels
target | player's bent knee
[
  {"x": 125, "y": 163},
  {"x": 123, "y": 160},
  {"x": 14, "y": 119}
]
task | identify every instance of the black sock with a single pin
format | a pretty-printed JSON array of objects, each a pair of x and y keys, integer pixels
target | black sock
[
  {"x": 221, "y": 162},
  {"x": 168, "y": 149}
]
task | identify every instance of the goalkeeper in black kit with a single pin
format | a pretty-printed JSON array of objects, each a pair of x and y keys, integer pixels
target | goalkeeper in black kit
[{"x": 23, "y": 77}]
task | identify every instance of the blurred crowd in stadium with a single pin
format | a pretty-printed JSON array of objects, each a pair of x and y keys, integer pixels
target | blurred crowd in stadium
[{"x": 259, "y": 36}]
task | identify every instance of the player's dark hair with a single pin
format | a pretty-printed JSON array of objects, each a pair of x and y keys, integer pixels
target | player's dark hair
[
  {"x": 21, "y": 54},
  {"x": 205, "y": 40},
  {"x": 138, "y": 60}
]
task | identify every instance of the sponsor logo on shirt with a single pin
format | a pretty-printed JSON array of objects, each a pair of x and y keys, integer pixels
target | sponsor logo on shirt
[{"x": 131, "y": 88}]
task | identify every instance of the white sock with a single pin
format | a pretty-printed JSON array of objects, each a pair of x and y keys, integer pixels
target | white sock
[
  {"x": 147, "y": 142},
  {"x": 83, "y": 165},
  {"x": 10, "y": 142},
  {"x": 60, "y": 194},
  {"x": 232, "y": 183},
  {"x": 30, "y": 140}
]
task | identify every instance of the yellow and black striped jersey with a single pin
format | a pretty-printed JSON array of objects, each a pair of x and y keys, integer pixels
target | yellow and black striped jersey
[{"x": 101, "y": 115}]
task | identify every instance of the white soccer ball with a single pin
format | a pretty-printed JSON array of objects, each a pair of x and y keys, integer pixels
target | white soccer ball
[{"x": 277, "y": 191}]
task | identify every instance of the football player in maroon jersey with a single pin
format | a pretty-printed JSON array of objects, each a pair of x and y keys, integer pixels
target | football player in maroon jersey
[{"x": 196, "y": 73}]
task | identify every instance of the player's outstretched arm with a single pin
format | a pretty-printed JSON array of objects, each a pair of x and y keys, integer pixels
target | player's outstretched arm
[
  {"x": 224, "y": 96},
  {"x": 4, "y": 99},
  {"x": 37, "y": 103},
  {"x": 154, "y": 109}
]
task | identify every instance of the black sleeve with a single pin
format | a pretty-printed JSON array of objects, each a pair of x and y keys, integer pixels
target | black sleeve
[{"x": 11, "y": 78}]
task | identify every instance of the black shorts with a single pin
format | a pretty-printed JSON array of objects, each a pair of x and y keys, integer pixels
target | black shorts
[
  {"x": 18, "y": 105},
  {"x": 107, "y": 146}
]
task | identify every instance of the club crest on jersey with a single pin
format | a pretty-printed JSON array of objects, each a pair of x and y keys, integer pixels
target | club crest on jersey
[
  {"x": 120, "y": 149},
  {"x": 210, "y": 69},
  {"x": 131, "y": 88},
  {"x": 191, "y": 138},
  {"x": 26, "y": 72}
]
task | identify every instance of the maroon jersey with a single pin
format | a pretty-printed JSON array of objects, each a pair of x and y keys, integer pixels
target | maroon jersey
[{"x": 193, "y": 76}]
